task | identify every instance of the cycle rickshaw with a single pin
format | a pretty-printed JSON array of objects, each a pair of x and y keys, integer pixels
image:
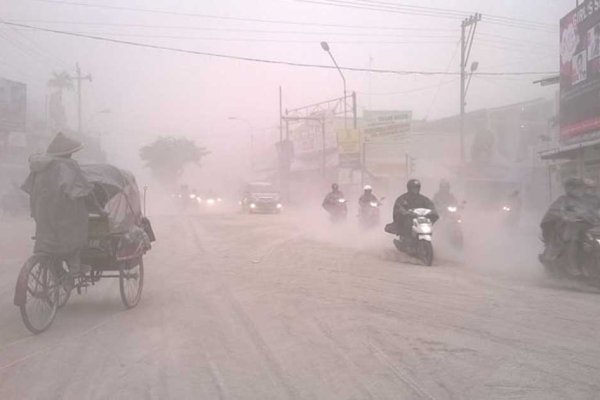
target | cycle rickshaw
[{"x": 116, "y": 245}]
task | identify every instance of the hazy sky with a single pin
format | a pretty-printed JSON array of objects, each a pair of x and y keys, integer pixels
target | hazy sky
[{"x": 153, "y": 91}]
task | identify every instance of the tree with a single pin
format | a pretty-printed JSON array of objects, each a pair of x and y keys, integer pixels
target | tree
[
  {"x": 61, "y": 81},
  {"x": 167, "y": 157}
]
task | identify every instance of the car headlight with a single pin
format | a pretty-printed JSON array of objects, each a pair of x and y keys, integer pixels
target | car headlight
[
  {"x": 279, "y": 205},
  {"x": 219, "y": 200},
  {"x": 252, "y": 205},
  {"x": 210, "y": 202},
  {"x": 506, "y": 208},
  {"x": 192, "y": 196},
  {"x": 452, "y": 209},
  {"x": 199, "y": 199}
]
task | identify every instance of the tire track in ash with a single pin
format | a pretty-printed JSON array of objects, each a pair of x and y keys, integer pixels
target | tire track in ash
[{"x": 275, "y": 370}]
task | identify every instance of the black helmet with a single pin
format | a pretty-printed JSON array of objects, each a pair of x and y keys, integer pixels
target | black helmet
[
  {"x": 335, "y": 187},
  {"x": 413, "y": 184}
]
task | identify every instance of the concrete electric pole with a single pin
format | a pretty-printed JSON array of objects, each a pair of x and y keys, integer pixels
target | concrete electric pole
[
  {"x": 80, "y": 78},
  {"x": 466, "y": 43}
]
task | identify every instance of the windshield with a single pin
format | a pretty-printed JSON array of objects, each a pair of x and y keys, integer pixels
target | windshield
[{"x": 261, "y": 188}]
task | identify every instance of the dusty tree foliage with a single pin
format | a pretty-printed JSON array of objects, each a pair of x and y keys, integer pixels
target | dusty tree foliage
[{"x": 168, "y": 156}]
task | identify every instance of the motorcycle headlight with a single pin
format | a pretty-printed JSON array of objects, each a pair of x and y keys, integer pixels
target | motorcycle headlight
[
  {"x": 252, "y": 205},
  {"x": 192, "y": 196},
  {"x": 426, "y": 229},
  {"x": 452, "y": 209},
  {"x": 341, "y": 200},
  {"x": 279, "y": 206},
  {"x": 219, "y": 200},
  {"x": 210, "y": 202},
  {"x": 373, "y": 204}
]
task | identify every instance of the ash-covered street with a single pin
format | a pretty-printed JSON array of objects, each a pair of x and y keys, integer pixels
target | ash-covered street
[{"x": 259, "y": 307}]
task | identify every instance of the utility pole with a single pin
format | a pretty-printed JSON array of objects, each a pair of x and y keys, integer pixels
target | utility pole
[
  {"x": 466, "y": 43},
  {"x": 80, "y": 78},
  {"x": 280, "y": 116}
]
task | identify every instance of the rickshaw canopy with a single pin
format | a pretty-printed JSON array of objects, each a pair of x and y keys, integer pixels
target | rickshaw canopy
[{"x": 117, "y": 191}]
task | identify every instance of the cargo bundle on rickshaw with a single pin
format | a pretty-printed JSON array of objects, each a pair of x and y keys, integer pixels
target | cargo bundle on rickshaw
[{"x": 116, "y": 245}]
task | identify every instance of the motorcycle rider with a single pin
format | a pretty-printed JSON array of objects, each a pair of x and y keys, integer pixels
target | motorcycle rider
[
  {"x": 444, "y": 198},
  {"x": 367, "y": 197},
  {"x": 565, "y": 221},
  {"x": 410, "y": 200},
  {"x": 513, "y": 202},
  {"x": 591, "y": 194},
  {"x": 331, "y": 200}
]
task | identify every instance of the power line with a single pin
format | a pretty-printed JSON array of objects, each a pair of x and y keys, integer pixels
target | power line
[
  {"x": 260, "y": 40},
  {"x": 260, "y": 60},
  {"x": 508, "y": 40},
  {"x": 437, "y": 92},
  {"x": 419, "y": 89},
  {"x": 449, "y": 14},
  {"x": 183, "y": 27},
  {"x": 39, "y": 50},
  {"x": 457, "y": 12},
  {"x": 230, "y": 18},
  {"x": 270, "y": 32}
]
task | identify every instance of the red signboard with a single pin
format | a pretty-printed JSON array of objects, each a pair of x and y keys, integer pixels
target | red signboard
[{"x": 580, "y": 72}]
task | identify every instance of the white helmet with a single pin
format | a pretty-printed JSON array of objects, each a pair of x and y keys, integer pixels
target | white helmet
[{"x": 367, "y": 187}]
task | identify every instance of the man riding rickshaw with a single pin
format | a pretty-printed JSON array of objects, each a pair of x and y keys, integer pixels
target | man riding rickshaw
[{"x": 89, "y": 225}]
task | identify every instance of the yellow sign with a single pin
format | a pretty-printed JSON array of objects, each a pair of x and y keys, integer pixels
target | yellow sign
[{"x": 348, "y": 141}]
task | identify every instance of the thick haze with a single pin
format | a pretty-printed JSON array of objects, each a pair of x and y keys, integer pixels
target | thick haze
[{"x": 152, "y": 92}]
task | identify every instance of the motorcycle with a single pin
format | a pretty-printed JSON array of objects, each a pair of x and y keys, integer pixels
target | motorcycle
[
  {"x": 452, "y": 221},
  {"x": 338, "y": 210},
  {"x": 368, "y": 215},
  {"x": 419, "y": 243},
  {"x": 510, "y": 216},
  {"x": 555, "y": 259}
]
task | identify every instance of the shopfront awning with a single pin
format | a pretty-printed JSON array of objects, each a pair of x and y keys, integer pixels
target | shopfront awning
[{"x": 568, "y": 152}]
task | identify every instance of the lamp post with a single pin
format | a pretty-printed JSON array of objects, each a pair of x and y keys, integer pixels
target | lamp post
[
  {"x": 326, "y": 48},
  {"x": 251, "y": 129}
]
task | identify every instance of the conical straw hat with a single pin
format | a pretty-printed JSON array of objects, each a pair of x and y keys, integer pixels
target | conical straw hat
[{"x": 62, "y": 145}]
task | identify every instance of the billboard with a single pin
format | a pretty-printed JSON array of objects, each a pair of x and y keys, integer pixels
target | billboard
[
  {"x": 13, "y": 105},
  {"x": 386, "y": 124},
  {"x": 580, "y": 73},
  {"x": 313, "y": 141}
]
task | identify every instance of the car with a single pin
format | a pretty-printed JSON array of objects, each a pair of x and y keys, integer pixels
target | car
[
  {"x": 210, "y": 200},
  {"x": 261, "y": 197}
]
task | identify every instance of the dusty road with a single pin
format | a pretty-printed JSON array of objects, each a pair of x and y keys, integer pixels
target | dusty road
[{"x": 252, "y": 307}]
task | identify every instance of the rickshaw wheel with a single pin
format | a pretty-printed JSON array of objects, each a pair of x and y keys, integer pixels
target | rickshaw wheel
[
  {"x": 131, "y": 282},
  {"x": 63, "y": 293},
  {"x": 41, "y": 301}
]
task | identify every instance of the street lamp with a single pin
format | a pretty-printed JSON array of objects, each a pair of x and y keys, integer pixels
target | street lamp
[
  {"x": 251, "y": 129},
  {"x": 325, "y": 48}
]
